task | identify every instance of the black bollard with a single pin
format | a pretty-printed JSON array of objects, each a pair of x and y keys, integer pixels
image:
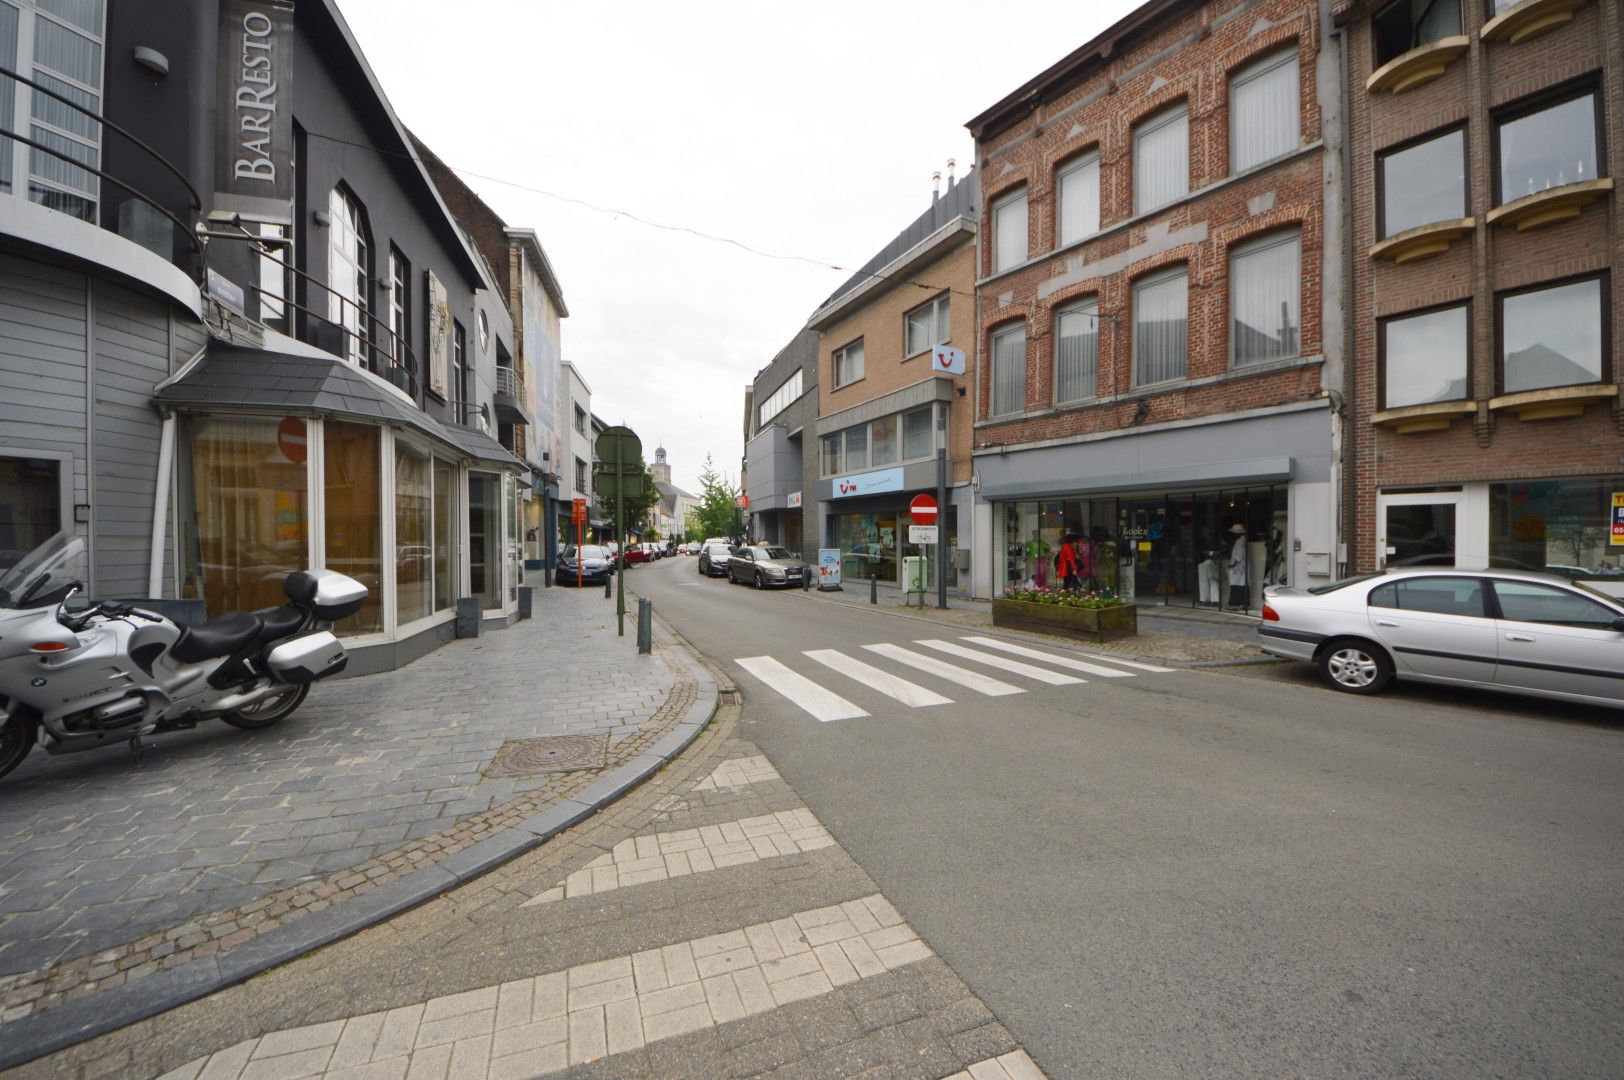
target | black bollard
[
  {"x": 607, "y": 585},
  {"x": 874, "y": 589}
]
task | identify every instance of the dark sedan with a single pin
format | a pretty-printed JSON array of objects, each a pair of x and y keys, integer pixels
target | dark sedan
[
  {"x": 590, "y": 564},
  {"x": 764, "y": 565},
  {"x": 713, "y": 558}
]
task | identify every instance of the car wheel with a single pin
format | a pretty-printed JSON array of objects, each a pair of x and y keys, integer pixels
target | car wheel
[
  {"x": 704, "y": 567},
  {"x": 758, "y": 579},
  {"x": 1355, "y": 667}
]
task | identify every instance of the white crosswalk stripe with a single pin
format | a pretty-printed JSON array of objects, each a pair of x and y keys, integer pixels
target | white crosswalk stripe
[
  {"x": 1050, "y": 658},
  {"x": 985, "y": 684},
  {"x": 1053, "y": 678},
  {"x": 902, "y": 690},
  {"x": 823, "y": 704}
]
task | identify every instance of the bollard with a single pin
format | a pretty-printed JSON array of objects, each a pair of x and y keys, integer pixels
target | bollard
[
  {"x": 608, "y": 585},
  {"x": 806, "y": 579},
  {"x": 645, "y": 625},
  {"x": 874, "y": 589}
]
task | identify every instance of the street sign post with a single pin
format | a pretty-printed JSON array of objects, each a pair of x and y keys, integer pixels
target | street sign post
[
  {"x": 622, "y": 447},
  {"x": 923, "y": 509},
  {"x": 921, "y": 534},
  {"x": 578, "y": 515}
]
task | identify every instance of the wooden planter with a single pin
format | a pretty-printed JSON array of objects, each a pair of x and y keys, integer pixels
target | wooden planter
[{"x": 1085, "y": 624}]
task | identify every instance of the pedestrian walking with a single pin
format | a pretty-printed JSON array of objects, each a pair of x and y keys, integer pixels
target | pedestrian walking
[
  {"x": 1086, "y": 573},
  {"x": 1066, "y": 564}
]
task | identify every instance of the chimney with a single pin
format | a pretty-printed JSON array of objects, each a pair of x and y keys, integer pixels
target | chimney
[
  {"x": 950, "y": 173},
  {"x": 935, "y": 185}
]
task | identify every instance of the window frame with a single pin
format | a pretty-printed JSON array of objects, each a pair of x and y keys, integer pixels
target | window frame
[
  {"x": 459, "y": 373},
  {"x": 837, "y": 441},
  {"x": 1381, "y": 350},
  {"x": 1256, "y": 68},
  {"x": 1382, "y": 232},
  {"x": 357, "y": 341},
  {"x": 580, "y": 418},
  {"x": 940, "y": 313},
  {"x": 1149, "y": 124},
  {"x": 1076, "y": 306},
  {"x": 843, "y": 353},
  {"x": 1157, "y": 277},
  {"x": 400, "y": 305},
  {"x": 1603, "y": 278},
  {"x": 22, "y": 179},
  {"x": 1003, "y": 202},
  {"x": 1588, "y": 85},
  {"x": 763, "y": 416},
  {"x": 1376, "y": 58},
  {"x": 1251, "y": 245},
  {"x": 1074, "y": 164},
  {"x": 1007, "y": 329}
]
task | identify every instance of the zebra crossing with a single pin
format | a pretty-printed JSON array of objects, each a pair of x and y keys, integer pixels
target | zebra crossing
[{"x": 955, "y": 662}]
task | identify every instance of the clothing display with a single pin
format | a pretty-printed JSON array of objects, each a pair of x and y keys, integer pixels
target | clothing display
[{"x": 1209, "y": 575}]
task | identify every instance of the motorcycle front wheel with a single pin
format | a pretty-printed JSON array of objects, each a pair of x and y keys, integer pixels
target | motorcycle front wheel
[
  {"x": 16, "y": 739},
  {"x": 268, "y": 711}
]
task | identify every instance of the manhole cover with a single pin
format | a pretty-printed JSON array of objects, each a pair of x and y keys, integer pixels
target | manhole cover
[{"x": 550, "y": 753}]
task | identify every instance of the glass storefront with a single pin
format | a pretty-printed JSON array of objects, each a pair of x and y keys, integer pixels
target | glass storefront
[
  {"x": 414, "y": 520},
  {"x": 354, "y": 515},
  {"x": 445, "y": 477},
  {"x": 485, "y": 538},
  {"x": 1210, "y": 548},
  {"x": 1564, "y": 526},
  {"x": 873, "y": 544}
]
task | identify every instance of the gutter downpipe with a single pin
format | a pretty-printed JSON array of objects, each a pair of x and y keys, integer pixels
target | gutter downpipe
[{"x": 1349, "y": 366}]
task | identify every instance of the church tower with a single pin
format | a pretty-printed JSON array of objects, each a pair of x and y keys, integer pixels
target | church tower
[{"x": 661, "y": 470}]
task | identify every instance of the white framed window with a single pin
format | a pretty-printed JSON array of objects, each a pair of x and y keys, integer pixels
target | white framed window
[
  {"x": 580, "y": 476},
  {"x": 580, "y": 419},
  {"x": 400, "y": 276},
  {"x": 780, "y": 399},
  {"x": 918, "y": 434},
  {"x": 849, "y": 363},
  {"x": 1263, "y": 114},
  {"x": 877, "y": 444},
  {"x": 1009, "y": 231},
  {"x": 347, "y": 265},
  {"x": 1009, "y": 370},
  {"x": 927, "y": 326},
  {"x": 1424, "y": 357},
  {"x": 1079, "y": 184},
  {"x": 59, "y": 44},
  {"x": 1161, "y": 159},
  {"x": 1265, "y": 299},
  {"x": 1554, "y": 335},
  {"x": 1076, "y": 352},
  {"x": 273, "y": 261},
  {"x": 1161, "y": 319}
]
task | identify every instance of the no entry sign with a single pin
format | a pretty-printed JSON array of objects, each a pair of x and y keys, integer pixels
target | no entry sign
[{"x": 923, "y": 509}]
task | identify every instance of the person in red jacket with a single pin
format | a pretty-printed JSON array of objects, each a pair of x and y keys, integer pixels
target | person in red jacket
[{"x": 1066, "y": 564}]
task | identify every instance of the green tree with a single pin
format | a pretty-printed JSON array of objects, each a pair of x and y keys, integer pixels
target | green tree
[{"x": 715, "y": 514}]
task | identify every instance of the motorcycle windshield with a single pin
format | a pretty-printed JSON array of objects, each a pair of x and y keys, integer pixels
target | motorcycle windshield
[{"x": 50, "y": 566}]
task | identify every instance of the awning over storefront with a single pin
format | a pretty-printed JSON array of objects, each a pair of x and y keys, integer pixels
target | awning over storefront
[
  {"x": 1014, "y": 477},
  {"x": 229, "y": 378}
]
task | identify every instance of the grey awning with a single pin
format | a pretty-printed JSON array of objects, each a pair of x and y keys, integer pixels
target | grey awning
[
  {"x": 230, "y": 378},
  {"x": 1020, "y": 477}
]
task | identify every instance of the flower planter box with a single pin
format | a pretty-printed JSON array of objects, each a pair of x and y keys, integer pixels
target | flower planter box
[{"x": 1085, "y": 624}]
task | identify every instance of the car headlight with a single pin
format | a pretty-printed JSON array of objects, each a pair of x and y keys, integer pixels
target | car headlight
[{"x": 773, "y": 571}]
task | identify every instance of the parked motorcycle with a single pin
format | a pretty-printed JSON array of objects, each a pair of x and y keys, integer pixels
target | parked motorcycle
[{"x": 74, "y": 679}]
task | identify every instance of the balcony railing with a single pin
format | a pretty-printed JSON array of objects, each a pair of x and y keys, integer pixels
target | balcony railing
[
  {"x": 510, "y": 382},
  {"x": 194, "y": 264},
  {"x": 371, "y": 342}
]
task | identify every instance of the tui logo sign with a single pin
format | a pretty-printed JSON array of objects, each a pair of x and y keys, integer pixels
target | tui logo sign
[{"x": 869, "y": 483}]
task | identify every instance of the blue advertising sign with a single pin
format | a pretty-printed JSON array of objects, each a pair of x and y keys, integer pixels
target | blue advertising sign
[
  {"x": 869, "y": 483},
  {"x": 829, "y": 568}
]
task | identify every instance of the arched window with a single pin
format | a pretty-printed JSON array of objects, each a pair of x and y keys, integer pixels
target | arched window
[{"x": 347, "y": 272}]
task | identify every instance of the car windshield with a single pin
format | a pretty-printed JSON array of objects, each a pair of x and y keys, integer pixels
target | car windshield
[
  {"x": 1333, "y": 586},
  {"x": 589, "y": 551},
  {"x": 768, "y": 552},
  {"x": 50, "y": 566}
]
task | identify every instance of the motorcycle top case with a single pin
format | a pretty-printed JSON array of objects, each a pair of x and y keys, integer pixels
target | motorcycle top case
[
  {"x": 307, "y": 658},
  {"x": 337, "y": 597}
]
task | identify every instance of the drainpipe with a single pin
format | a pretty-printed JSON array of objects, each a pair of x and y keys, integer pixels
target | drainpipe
[{"x": 1349, "y": 365}]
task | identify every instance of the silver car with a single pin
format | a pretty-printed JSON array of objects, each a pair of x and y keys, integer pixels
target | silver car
[
  {"x": 764, "y": 564},
  {"x": 1525, "y": 632}
]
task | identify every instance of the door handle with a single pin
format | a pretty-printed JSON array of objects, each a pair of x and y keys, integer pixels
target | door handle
[
  {"x": 1384, "y": 622},
  {"x": 1518, "y": 637}
]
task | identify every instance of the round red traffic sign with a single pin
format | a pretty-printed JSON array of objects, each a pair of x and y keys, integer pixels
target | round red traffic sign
[
  {"x": 290, "y": 439},
  {"x": 923, "y": 509}
]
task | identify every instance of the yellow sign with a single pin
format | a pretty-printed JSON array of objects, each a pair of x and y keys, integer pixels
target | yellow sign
[
  {"x": 1145, "y": 546},
  {"x": 1617, "y": 537}
]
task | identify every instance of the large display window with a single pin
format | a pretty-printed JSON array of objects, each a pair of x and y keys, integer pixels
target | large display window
[
  {"x": 1561, "y": 526},
  {"x": 353, "y": 511},
  {"x": 445, "y": 485},
  {"x": 485, "y": 539},
  {"x": 414, "y": 521}
]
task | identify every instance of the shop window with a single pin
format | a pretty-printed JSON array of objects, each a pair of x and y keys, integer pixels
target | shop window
[
  {"x": 1161, "y": 159},
  {"x": 1161, "y": 313},
  {"x": 1553, "y": 336},
  {"x": 1079, "y": 184},
  {"x": 1077, "y": 336},
  {"x": 918, "y": 439},
  {"x": 1265, "y": 286},
  {"x": 30, "y": 505},
  {"x": 1422, "y": 183},
  {"x": 1546, "y": 146},
  {"x": 883, "y": 446},
  {"x": 349, "y": 268},
  {"x": 1408, "y": 24},
  {"x": 414, "y": 524},
  {"x": 352, "y": 486},
  {"x": 849, "y": 363},
  {"x": 927, "y": 325},
  {"x": 1263, "y": 115},
  {"x": 1009, "y": 370},
  {"x": 485, "y": 539},
  {"x": 1424, "y": 357},
  {"x": 246, "y": 525},
  {"x": 1009, "y": 231},
  {"x": 1561, "y": 526},
  {"x": 445, "y": 481}
]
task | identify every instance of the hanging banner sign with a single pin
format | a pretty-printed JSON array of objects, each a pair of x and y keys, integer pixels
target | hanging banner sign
[
  {"x": 1617, "y": 537},
  {"x": 255, "y": 106}
]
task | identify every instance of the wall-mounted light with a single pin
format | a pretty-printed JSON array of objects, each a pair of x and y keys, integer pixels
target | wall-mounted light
[
  {"x": 322, "y": 218},
  {"x": 151, "y": 59}
]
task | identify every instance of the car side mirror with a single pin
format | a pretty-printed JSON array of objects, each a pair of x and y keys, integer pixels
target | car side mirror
[{"x": 1618, "y": 624}]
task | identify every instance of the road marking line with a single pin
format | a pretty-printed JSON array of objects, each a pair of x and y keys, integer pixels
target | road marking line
[
  {"x": 738, "y": 772},
  {"x": 823, "y": 704},
  {"x": 654, "y": 857},
  {"x": 1050, "y": 658},
  {"x": 540, "y": 1025},
  {"x": 1053, "y": 678},
  {"x": 911, "y": 694},
  {"x": 1128, "y": 663},
  {"x": 985, "y": 684}
]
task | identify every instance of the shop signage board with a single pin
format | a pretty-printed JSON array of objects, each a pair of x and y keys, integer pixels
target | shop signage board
[
  {"x": 254, "y": 112},
  {"x": 921, "y": 534},
  {"x": 869, "y": 483},
  {"x": 829, "y": 568},
  {"x": 1617, "y": 537},
  {"x": 923, "y": 509},
  {"x": 578, "y": 512},
  {"x": 946, "y": 360},
  {"x": 795, "y": 500}
]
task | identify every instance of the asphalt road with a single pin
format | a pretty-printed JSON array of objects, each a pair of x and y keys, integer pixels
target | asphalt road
[{"x": 1217, "y": 872}]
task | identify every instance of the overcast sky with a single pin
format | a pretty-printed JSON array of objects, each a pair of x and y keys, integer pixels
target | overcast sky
[{"x": 808, "y": 131}]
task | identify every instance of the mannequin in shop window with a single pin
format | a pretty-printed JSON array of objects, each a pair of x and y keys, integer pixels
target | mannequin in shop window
[
  {"x": 1210, "y": 571},
  {"x": 1238, "y": 593},
  {"x": 1037, "y": 557}
]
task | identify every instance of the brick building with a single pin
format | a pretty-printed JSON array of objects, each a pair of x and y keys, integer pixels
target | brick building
[
  {"x": 1157, "y": 326},
  {"x": 883, "y": 410},
  {"x": 1485, "y": 423}
]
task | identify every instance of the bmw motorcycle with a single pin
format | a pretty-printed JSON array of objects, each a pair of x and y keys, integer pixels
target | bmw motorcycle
[{"x": 74, "y": 678}]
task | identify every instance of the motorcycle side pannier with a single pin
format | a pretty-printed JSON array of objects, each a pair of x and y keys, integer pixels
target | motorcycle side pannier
[
  {"x": 307, "y": 658},
  {"x": 336, "y": 596}
]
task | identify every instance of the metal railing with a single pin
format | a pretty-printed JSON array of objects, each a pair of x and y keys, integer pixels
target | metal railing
[
  {"x": 185, "y": 229},
  {"x": 387, "y": 355},
  {"x": 509, "y": 381}
]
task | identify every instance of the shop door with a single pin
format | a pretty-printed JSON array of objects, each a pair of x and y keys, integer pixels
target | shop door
[{"x": 1417, "y": 528}]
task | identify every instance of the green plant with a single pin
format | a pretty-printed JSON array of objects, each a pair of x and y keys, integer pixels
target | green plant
[{"x": 1060, "y": 598}]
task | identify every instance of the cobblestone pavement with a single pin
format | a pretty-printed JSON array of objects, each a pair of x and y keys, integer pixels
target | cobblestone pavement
[
  {"x": 786, "y": 963},
  {"x": 110, "y": 872}
]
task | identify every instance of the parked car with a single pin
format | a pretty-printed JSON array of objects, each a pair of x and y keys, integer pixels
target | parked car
[
  {"x": 596, "y": 563},
  {"x": 1519, "y": 631},
  {"x": 713, "y": 557},
  {"x": 763, "y": 565},
  {"x": 653, "y": 552},
  {"x": 684, "y": 549}
]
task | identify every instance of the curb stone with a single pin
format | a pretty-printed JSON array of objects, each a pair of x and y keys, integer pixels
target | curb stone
[{"x": 85, "y": 1018}]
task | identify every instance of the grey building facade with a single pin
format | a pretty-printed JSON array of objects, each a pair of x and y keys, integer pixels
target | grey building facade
[{"x": 779, "y": 472}]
